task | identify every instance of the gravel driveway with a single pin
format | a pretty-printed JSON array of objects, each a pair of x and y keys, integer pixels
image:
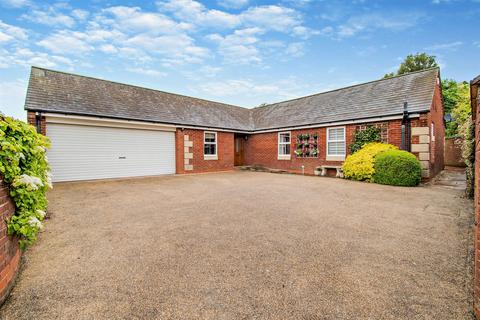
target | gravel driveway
[{"x": 248, "y": 245}]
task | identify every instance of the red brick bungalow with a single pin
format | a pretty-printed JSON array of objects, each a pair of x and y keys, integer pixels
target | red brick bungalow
[{"x": 102, "y": 129}]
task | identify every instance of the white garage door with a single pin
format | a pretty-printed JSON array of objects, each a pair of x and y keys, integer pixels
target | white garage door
[{"x": 88, "y": 152}]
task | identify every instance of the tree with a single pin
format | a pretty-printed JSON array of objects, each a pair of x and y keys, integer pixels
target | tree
[
  {"x": 412, "y": 63},
  {"x": 456, "y": 100}
]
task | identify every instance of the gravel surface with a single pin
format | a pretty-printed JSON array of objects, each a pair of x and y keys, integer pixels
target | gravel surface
[{"x": 248, "y": 245}]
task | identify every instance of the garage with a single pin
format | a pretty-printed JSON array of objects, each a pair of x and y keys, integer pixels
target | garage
[{"x": 87, "y": 152}]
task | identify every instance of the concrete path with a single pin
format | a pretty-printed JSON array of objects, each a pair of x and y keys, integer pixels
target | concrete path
[{"x": 248, "y": 245}]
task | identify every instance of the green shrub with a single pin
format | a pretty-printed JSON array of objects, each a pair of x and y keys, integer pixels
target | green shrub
[
  {"x": 360, "y": 165},
  {"x": 361, "y": 138},
  {"x": 467, "y": 132},
  {"x": 397, "y": 168},
  {"x": 24, "y": 167}
]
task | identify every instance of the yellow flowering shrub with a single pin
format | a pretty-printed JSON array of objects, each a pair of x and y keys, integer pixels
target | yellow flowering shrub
[{"x": 360, "y": 165}]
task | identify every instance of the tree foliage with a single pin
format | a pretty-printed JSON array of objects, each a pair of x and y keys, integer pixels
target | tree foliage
[
  {"x": 414, "y": 62},
  {"x": 456, "y": 100}
]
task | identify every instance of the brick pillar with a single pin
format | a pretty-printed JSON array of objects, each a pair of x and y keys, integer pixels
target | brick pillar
[
  {"x": 187, "y": 153},
  {"x": 421, "y": 148}
]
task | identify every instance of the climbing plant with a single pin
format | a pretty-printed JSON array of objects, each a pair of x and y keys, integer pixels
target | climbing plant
[
  {"x": 24, "y": 167},
  {"x": 362, "y": 137}
]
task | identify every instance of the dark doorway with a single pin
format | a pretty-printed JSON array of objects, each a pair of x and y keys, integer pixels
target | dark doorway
[{"x": 239, "y": 148}]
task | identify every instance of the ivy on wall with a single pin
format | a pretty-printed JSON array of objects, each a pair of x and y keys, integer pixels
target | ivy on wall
[
  {"x": 306, "y": 146},
  {"x": 24, "y": 167}
]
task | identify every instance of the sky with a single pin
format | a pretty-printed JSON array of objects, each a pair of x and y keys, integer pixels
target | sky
[{"x": 242, "y": 52}]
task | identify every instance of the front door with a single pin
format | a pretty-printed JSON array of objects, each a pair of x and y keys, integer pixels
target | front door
[{"x": 239, "y": 147}]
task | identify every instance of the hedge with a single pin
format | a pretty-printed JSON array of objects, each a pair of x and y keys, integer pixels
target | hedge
[
  {"x": 397, "y": 168},
  {"x": 360, "y": 165}
]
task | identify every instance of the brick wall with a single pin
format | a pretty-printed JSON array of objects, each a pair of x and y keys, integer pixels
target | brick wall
[
  {"x": 453, "y": 152},
  {"x": 9, "y": 249},
  {"x": 189, "y": 152},
  {"x": 31, "y": 119},
  {"x": 476, "y": 117},
  {"x": 261, "y": 149},
  {"x": 437, "y": 147}
]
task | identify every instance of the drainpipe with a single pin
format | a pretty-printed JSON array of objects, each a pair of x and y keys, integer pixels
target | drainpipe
[
  {"x": 38, "y": 122},
  {"x": 406, "y": 141}
]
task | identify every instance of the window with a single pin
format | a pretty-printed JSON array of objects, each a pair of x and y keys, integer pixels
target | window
[
  {"x": 210, "y": 146},
  {"x": 284, "y": 146},
  {"x": 432, "y": 133},
  {"x": 336, "y": 143}
]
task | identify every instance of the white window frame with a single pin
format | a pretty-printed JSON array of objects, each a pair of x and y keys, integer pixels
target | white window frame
[
  {"x": 284, "y": 156},
  {"x": 210, "y": 156},
  {"x": 336, "y": 157},
  {"x": 432, "y": 128}
]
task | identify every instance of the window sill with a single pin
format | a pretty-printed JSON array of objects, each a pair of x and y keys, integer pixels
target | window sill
[
  {"x": 284, "y": 157},
  {"x": 335, "y": 158},
  {"x": 210, "y": 157}
]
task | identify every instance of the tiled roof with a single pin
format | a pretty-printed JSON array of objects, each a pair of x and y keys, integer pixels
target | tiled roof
[
  {"x": 61, "y": 92},
  {"x": 379, "y": 98},
  {"x": 53, "y": 91}
]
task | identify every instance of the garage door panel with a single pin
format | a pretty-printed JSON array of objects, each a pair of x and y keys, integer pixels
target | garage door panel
[{"x": 87, "y": 152}]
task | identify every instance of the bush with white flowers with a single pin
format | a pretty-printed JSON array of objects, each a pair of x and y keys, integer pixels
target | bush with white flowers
[{"x": 24, "y": 166}]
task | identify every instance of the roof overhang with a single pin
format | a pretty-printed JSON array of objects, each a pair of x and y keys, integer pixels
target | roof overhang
[
  {"x": 61, "y": 118},
  {"x": 339, "y": 123},
  {"x": 90, "y": 120}
]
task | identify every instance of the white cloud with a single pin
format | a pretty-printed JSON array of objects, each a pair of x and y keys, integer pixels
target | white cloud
[
  {"x": 147, "y": 72},
  {"x": 233, "y": 4},
  {"x": 304, "y": 32},
  {"x": 26, "y": 57},
  {"x": 9, "y": 32},
  {"x": 374, "y": 21},
  {"x": 80, "y": 14},
  {"x": 49, "y": 17},
  {"x": 268, "y": 17},
  {"x": 108, "y": 48},
  {"x": 178, "y": 47},
  {"x": 272, "y": 17},
  {"x": 239, "y": 47},
  {"x": 201, "y": 73},
  {"x": 65, "y": 42},
  {"x": 15, "y": 3},
  {"x": 451, "y": 46},
  {"x": 257, "y": 92},
  {"x": 295, "y": 49},
  {"x": 298, "y": 3},
  {"x": 132, "y": 19},
  {"x": 5, "y": 37},
  {"x": 194, "y": 12}
]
